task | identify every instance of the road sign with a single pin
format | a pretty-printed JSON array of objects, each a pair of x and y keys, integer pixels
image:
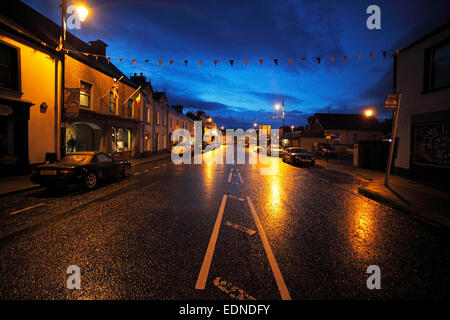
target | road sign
[{"x": 391, "y": 102}]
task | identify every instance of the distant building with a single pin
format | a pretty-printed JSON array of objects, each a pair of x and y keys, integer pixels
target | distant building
[
  {"x": 177, "y": 120},
  {"x": 422, "y": 75},
  {"x": 340, "y": 130},
  {"x": 160, "y": 129}
]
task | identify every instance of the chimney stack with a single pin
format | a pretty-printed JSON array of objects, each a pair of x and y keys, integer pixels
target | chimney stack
[{"x": 98, "y": 47}]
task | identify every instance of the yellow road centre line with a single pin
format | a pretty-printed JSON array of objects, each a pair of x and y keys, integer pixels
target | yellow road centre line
[
  {"x": 203, "y": 275},
  {"x": 273, "y": 263}
]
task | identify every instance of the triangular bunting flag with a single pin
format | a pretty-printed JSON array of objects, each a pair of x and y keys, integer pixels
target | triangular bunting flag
[
  {"x": 345, "y": 58},
  {"x": 231, "y": 62},
  {"x": 185, "y": 63},
  {"x": 371, "y": 55},
  {"x": 160, "y": 63},
  {"x": 171, "y": 62},
  {"x": 318, "y": 60},
  {"x": 260, "y": 61},
  {"x": 275, "y": 61},
  {"x": 303, "y": 59},
  {"x": 133, "y": 61},
  {"x": 359, "y": 57},
  {"x": 332, "y": 59},
  {"x": 59, "y": 47},
  {"x": 200, "y": 62},
  {"x": 138, "y": 100},
  {"x": 215, "y": 63},
  {"x": 246, "y": 63},
  {"x": 120, "y": 59},
  {"x": 290, "y": 61}
]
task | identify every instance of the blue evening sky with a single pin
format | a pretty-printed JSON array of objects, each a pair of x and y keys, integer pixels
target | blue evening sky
[{"x": 250, "y": 30}]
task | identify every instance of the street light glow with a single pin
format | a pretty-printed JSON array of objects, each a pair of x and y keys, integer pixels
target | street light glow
[
  {"x": 255, "y": 124},
  {"x": 277, "y": 106},
  {"x": 368, "y": 113},
  {"x": 209, "y": 119},
  {"x": 82, "y": 12}
]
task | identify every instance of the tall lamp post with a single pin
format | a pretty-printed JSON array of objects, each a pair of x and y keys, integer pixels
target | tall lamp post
[
  {"x": 82, "y": 13},
  {"x": 277, "y": 106}
]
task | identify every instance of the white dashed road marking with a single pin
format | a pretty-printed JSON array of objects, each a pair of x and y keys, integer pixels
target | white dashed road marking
[
  {"x": 230, "y": 289},
  {"x": 240, "y": 228}
]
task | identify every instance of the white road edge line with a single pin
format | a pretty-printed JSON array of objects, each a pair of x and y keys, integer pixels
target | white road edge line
[
  {"x": 273, "y": 263},
  {"x": 203, "y": 275},
  {"x": 38, "y": 205}
]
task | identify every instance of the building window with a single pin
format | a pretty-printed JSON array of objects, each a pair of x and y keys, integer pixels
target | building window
[
  {"x": 122, "y": 140},
  {"x": 112, "y": 103},
  {"x": 157, "y": 118},
  {"x": 9, "y": 67},
  {"x": 130, "y": 108},
  {"x": 439, "y": 66},
  {"x": 148, "y": 114},
  {"x": 85, "y": 94}
]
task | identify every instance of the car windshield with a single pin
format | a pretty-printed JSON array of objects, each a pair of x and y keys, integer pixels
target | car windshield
[
  {"x": 298, "y": 150},
  {"x": 77, "y": 158}
]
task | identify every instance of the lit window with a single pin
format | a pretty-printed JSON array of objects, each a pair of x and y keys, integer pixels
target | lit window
[
  {"x": 85, "y": 94},
  {"x": 157, "y": 118}
]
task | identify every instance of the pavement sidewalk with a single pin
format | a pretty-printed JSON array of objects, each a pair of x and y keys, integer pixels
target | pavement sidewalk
[
  {"x": 15, "y": 184},
  {"x": 420, "y": 200}
]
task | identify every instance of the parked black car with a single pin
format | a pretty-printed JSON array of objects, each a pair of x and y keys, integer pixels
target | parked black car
[
  {"x": 298, "y": 156},
  {"x": 85, "y": 168},
  {"x": 325, "y": 150}
]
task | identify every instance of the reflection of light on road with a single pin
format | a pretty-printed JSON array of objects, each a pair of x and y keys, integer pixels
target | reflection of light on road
[
  {"x": 274, "y": 202},
  {"x": 361, "y": 227}
]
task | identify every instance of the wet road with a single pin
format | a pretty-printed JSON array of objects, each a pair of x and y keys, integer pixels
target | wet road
[{"x": 217, "y": 231}]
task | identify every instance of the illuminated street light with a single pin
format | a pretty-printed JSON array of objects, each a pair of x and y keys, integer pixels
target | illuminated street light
[
  {"x": 277, "y": 106},
  {"x": 368, "y": 113},
  {"x": 209, "y": 120},
  {"x": 292, "y": 128},
  {"x": 82, "y": 12},
  {"x": 255, "y": 124}
]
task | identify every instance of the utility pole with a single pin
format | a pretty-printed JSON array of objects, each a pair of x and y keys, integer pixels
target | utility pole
[{"x": 392, "y": 103}]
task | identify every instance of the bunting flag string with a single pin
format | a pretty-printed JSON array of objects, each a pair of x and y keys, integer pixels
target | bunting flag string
[{"x": 290, "y": 61}]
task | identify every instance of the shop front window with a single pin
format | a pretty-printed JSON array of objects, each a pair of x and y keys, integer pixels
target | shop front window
[{"x": 122, "y": 140}]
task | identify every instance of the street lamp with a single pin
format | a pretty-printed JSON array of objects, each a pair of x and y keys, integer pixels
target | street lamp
[
  {"x": 292, "y": 128},
  {"x": 368, "y": 113},
  {"x": 255, "y": 124},
  {"x": 277, "y": 106},
  {"x": 82, "y": 14}
]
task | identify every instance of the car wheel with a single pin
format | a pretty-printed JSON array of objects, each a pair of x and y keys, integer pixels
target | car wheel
[
  {"x": 90, "y": 180},
  {"x": 126, "y": 171}
]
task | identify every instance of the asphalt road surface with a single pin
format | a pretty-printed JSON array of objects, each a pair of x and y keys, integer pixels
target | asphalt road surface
[{"x": 217, "y": 231}]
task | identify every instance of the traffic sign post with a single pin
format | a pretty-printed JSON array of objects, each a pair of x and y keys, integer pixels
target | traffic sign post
[{"x": 392, "y": 103}]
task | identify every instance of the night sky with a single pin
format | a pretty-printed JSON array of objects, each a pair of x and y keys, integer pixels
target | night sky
[{"x": 251, "y": 29}]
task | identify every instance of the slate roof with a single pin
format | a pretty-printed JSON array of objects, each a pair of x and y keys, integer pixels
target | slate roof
[
  {"x": 350, "y": 122},
  {"x": 30, "y": 21}
]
